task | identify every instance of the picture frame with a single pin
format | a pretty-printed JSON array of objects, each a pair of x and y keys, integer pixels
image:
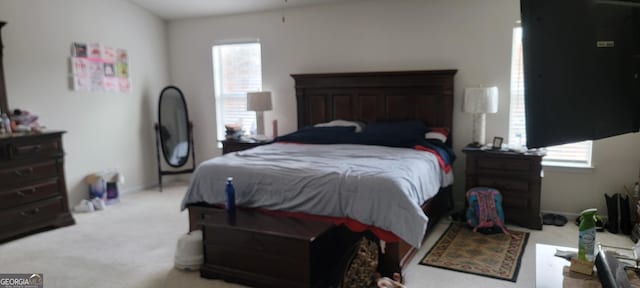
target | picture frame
[{"x": 497, "y": 142}]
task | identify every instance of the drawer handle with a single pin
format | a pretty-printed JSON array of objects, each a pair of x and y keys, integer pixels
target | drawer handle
[
  {"x": 24, "y": 193},
  {"x": 31, "y": 212},
  {"x": 24, "y": 172},
  {"x": 34, "y": 149},
  {"x": 23, "y": 151}
]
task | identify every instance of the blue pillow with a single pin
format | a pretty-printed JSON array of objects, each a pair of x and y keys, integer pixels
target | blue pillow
[
  {"x": 320, "y": 135},
  {"x": 394, "y": 134}
]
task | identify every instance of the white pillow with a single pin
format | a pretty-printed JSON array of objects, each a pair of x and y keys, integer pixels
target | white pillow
[
  {"x": 343, "y": 123},
  {"x": 437, "y": 133}
]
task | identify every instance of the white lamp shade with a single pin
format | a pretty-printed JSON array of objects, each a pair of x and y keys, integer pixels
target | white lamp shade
[
  {"x": 259, "y": 101},
  {"x": 480, "y": 100}
]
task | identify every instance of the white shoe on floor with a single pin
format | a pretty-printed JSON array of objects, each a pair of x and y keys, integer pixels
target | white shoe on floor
[
  {"x": 85, "y": 206},
  {"x": 98, "y": 203}
]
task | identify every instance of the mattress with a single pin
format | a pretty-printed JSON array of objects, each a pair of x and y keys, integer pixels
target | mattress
[{"x": 375, "y": 185}]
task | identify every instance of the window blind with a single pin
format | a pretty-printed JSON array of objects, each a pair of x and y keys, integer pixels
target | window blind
[
  {"x": 574, "y": 154},
  {"x": 237, "y": 69}
]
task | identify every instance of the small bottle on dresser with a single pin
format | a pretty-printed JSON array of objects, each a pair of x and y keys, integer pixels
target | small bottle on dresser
[{"x": 6, "y": 123}]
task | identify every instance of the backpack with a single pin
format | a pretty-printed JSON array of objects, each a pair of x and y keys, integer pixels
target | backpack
[{"x": 485, "y": 210}]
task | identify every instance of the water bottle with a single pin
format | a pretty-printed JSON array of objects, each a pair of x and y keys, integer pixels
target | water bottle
[{"x": 231, "y": 196}]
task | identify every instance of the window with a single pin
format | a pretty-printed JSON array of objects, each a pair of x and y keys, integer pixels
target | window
[
  {"x": 237, "y": 69},
  {"x": 574, "y": 154}
]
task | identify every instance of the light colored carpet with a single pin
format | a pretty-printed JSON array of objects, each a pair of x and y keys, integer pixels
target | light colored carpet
[{"x": 132, "y": 244}]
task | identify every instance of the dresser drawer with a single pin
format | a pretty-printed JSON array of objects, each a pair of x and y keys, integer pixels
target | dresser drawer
[
  {"x": 515, "y": 204},
  {"x": 501, "y": 164},
  {"x": 33, "y": 192},
  {"x": 503, "y": 184},
  {"x": 35, "y": 212},
  {"x": 29, "y": 148},
  {"x": 27, "y": 194},
  {"x": 28, "y": 173}
]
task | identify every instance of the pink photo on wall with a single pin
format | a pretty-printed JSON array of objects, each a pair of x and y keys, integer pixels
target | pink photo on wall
[
  {"x": 97, "y": 84},
  {"x": 96, "y": 70},
  {"x": 111, "y": 84},
  {"x": 81, "y": 83},
  {"x": 79, "y": 49},
  {"x": 95, "y": 67},
  {"x": 94, "y": 51},
  {"x": 123, "y": 57},
  {"x": 108, "y": 55},
  {"x": 79, "y": 67},
  {"x": 125, "y": 85},
  {"x": 109, "y": 70}
]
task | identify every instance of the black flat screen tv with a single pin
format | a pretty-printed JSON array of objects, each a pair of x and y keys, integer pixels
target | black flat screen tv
[{"x": 581, "y": 65}]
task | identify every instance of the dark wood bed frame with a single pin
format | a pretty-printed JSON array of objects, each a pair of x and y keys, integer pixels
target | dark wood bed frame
[{"x": 371, "y": 97}]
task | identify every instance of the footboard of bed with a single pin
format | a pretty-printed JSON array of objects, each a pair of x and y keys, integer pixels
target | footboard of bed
[{"x": 397, "y": 255}]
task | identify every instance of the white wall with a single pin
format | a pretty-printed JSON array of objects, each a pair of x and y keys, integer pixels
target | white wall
[
  {"x": 104, "y": 129},
  {"x": 383, "y": 35},
  {"x": 108, "y": 130},
  {"x": 616, "y": 162},
  {"x": 471, "y": 36}
]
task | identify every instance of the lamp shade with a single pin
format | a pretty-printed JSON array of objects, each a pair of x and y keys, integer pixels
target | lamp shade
[
  {"x": 259, "y": 101},
  {"x": 480, "y": 100}
]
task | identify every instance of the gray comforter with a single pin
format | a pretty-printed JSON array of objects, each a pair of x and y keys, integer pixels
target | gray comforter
[{"x": 375, "y": 185}]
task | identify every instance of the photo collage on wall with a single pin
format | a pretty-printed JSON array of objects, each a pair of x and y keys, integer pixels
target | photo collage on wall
[{"x": 95, "y": 67}]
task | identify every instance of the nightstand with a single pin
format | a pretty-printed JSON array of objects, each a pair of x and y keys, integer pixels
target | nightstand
[
  {"x": 229, "y": 146},
  {"x": 518, "y": 176}
]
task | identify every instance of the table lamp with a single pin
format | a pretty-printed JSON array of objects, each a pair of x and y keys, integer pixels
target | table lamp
[
  {"x": 259, "y": 102},
  {"x": 480, "y": 101}
]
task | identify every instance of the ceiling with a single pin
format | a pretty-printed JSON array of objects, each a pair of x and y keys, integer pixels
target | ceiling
[{"x": 179, "y": 9}]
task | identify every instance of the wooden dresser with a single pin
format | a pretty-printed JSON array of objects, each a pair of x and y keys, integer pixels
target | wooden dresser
[
  {"x": 4, "y": 106},
  {"x": 517, "y": 176},
  {"x": 33, "y": 193}
]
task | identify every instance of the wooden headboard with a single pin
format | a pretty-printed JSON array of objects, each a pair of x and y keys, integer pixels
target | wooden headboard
[{"x": 376, "y": 96}]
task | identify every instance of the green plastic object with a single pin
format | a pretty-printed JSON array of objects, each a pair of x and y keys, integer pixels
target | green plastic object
[{"x": 587, "y": 235}]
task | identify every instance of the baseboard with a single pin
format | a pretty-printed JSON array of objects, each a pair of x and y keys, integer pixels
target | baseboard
[
  {"x": 153, "y": 186},
  {"x": 565, "y": 214},
  {"x": 137, "y": 188},
  {"x": 459, "y": 206}
]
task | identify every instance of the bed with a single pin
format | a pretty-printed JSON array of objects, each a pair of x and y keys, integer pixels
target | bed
[{"x": 372, "y": 97}]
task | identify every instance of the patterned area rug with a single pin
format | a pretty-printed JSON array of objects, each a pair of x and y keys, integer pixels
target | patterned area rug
[{"x": 493, "y": 255}]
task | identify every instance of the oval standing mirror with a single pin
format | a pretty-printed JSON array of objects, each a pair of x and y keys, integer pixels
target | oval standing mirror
[
  {"x": 173, "y": 131},
  {"x": 174, "y": 126}
]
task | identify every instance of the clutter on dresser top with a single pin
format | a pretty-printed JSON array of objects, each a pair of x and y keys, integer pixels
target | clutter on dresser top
[{"x": 19, "y": 122}]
